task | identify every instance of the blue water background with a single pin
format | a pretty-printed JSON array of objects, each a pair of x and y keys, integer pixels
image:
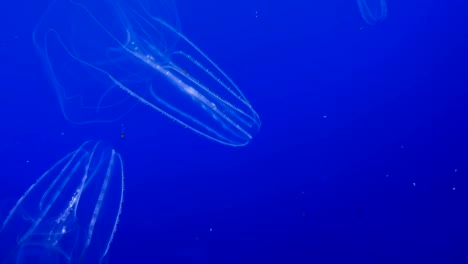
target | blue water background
[{"x": 362, "y": 156}]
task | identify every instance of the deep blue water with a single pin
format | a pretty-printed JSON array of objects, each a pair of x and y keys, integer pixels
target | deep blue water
[{"x": 362, "y": 155}]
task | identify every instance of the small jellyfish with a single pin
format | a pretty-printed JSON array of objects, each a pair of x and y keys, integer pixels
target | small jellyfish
[{"x": 372, "y": 11}]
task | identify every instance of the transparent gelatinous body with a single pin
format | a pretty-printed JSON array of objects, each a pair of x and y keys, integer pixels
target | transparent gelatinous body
[
  {"x": 373, "y": 11},
  {"x": 70, "y": 214},
  {"x": 106, "y": 56}
]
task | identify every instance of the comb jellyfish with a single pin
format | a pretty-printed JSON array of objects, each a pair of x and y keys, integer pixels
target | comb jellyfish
[
  {"x": 105, "y": 57},
  {"x": 70, "y": 214}
]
